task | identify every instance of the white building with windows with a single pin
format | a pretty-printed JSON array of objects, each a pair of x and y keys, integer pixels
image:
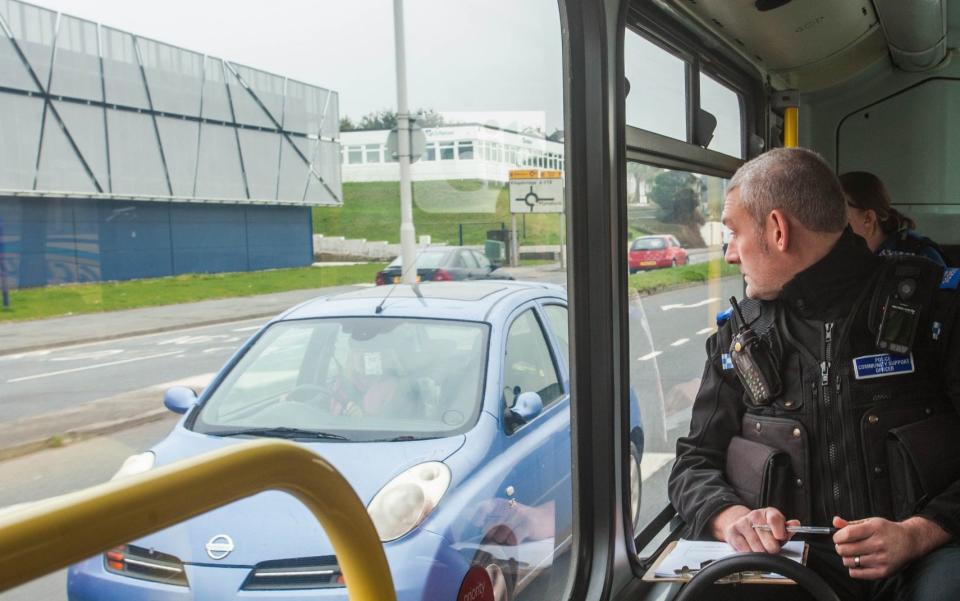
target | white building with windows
[{"x": 452, "y": 152}]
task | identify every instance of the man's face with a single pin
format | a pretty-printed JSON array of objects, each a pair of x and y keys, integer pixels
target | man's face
[{"x": 749, "y": 249}]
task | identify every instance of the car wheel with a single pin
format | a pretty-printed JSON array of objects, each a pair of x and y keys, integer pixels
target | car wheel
[
  {"x": 502, "y": 578},
  {"x": 499, "y": 582},
  {"x": 636, "y": 487}
]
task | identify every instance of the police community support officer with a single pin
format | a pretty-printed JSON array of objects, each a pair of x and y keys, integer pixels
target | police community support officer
[{"x": 864, "y": 391}]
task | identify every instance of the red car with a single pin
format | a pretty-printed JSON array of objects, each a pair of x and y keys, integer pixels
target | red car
[{"x": 651, "y": 252}]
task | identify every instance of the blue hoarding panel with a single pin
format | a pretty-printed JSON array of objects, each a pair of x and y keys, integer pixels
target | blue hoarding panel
[{"x": 57, "y": 241}]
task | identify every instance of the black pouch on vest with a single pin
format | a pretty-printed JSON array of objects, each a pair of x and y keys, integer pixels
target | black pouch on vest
[
  {"x": 760, "y": 474},
  {"x": 924, "y": 459}
]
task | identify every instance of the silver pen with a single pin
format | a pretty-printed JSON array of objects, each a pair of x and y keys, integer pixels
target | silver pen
[{"x": 800, "y": 529}]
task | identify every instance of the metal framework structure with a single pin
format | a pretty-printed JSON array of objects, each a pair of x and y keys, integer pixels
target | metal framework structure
[{"x": 93, "y": 112}]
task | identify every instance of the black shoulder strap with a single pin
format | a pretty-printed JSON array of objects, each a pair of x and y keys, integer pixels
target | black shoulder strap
[{"x": 758, "y": 314}]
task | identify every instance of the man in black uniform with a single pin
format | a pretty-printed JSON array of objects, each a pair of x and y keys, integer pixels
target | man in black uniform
[{"x": 849, "y": 416}]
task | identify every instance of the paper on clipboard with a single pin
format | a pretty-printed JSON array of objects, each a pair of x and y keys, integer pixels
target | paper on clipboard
[{"x": 683, "y": 558}]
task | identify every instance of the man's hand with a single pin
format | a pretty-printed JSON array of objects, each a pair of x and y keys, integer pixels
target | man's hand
[
  {"x": 735, "y": 526},
  {"x": 877, "y": 548}
]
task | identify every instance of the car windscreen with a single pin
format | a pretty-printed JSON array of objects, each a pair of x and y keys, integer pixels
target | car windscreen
[
  {"x": 360, "y": 378},
  {"x": 425, "y": 260},
  {"x": 649, "y": 244}
]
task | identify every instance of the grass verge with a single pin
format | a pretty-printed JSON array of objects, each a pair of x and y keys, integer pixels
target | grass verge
[
  {"x": 658, "y": 280},
  {"x": 53, "y": 301}
]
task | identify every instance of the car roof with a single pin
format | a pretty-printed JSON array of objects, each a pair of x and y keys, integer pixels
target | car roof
[{"x": 471, "y": 301}]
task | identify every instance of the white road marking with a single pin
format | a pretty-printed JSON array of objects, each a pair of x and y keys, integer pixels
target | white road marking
[
  {"x": 199, "y": 381},
  {"x": 679, "y": 342},
  {"x": 134, "y": 337},
  {"x": 96, "y": 366},
  {"x": 27, "y": 355},
  {"x": 365, "y": 285},
  {"x": 651, "y": 462},
  {"x": 89, "y": 355},
  {"x": 706, "y": 330},
  {"x": 247, "y": 329},
  {"x": 689, "y": 306},
  {"x": 199, "y": 339},
  {"x": 218, "y": 348},
  {"x": 649, "y": 356}
]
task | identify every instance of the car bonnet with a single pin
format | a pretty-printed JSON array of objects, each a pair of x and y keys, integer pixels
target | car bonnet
[{"x": 275, "y": 525}]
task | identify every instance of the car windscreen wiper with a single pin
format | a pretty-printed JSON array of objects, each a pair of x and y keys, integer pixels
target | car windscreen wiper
[
  {"x": 280, "y": 432},
  {"x": 403, "y": 438}
]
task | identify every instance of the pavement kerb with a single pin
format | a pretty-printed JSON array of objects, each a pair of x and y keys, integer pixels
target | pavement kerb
[
  {"x": 136, "y": 332},
  {"x": 81, "y": 433}
]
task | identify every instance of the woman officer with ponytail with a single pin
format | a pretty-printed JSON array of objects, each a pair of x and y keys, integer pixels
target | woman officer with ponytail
[{"x": 885, "y": 229}]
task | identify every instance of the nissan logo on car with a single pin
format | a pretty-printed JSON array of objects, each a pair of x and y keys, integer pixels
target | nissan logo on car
[{"x": 219, "y": 546}]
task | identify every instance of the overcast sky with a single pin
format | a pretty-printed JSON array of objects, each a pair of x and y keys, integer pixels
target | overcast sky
[{"x": 462, "y": 55}]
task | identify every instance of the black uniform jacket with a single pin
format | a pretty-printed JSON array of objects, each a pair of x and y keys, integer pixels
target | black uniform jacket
[{"x": 836, "y": 440}]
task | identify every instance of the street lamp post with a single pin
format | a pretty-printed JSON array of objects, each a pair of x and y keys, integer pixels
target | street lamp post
[{"x": 407, "y": 234}]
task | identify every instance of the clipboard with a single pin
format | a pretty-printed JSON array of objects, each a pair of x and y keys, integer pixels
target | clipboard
[{"x": 744, "y": 577}]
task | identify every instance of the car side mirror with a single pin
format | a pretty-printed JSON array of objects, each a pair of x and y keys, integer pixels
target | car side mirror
[
  {"x": 179, "y": 399},
  {"x": 528, "y": 406}
]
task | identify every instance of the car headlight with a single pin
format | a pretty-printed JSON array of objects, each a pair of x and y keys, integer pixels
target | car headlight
[
  {"x": 408, "y": 499},
  {"x": 136, "y": 464}
]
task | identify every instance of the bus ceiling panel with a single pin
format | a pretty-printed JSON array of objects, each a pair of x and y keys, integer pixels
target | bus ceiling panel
[
  {"x": 807, "y": 45},
  {"x": 647, "y": 147}
]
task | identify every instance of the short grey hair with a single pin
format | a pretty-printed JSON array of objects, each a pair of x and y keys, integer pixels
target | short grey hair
[{"x": 798, "y": 182}]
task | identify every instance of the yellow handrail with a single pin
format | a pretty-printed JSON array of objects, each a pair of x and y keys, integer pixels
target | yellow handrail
[
  {"x": 55, "y": 533},
  {"x": 791, "y": 123}
]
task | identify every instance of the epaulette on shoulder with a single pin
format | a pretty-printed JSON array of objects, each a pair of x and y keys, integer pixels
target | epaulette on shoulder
[
  {"x": 724, "y": 316},
  {"x": 951, "y": 278}
]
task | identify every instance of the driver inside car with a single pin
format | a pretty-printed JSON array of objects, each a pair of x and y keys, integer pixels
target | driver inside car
[
  {"x": 831, "y": 399},
  {"x": 369, "y": 383}
]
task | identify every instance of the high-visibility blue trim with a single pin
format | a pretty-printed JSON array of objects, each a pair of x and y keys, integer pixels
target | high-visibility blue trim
[{"x": 951, "y": 278}]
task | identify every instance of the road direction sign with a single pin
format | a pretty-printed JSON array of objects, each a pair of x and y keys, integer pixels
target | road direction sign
[{"x": 536, "y": 191}]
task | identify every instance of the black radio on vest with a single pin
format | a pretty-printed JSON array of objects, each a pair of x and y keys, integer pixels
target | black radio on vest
[{"x": 753, "y": 362}]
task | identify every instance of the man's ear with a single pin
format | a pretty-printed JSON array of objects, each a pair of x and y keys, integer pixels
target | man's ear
[{"x": 778, "y": 230}]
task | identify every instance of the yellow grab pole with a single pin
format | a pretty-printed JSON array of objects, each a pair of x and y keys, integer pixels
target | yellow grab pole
[
  {"x": 52, "y": 534},
  {"x": 790, "y": 125}
]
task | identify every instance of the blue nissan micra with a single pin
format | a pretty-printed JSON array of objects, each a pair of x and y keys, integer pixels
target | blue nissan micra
[{"x": 445, "y": 405}]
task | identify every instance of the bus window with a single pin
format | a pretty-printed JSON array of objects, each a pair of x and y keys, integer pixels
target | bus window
[
  {"x": 677, "y": 280},
  {"x": 657, "y": 98},
  {"x": 674, "y": 293},
  {"x": 725, "y": 105}
]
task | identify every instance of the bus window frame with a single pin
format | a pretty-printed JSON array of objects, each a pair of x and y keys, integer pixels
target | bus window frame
[
  {"x": 704, "y": 51},
  {"x": 605, "y": 560},
  {"x": 671, "y": 32}
]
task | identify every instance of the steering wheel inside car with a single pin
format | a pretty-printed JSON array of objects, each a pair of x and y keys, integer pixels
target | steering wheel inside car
[
  {"x": 805, "y": 578},
  {"x": 310, "y": 394}
]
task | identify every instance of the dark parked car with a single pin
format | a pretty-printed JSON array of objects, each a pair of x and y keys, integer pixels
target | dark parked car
[
  {"x": 446, "y": 264},
  {"x": 651, "y": 252}
]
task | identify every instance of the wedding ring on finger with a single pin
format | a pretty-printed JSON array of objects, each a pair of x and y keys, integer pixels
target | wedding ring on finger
[{"x": 856, "y": 561}]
